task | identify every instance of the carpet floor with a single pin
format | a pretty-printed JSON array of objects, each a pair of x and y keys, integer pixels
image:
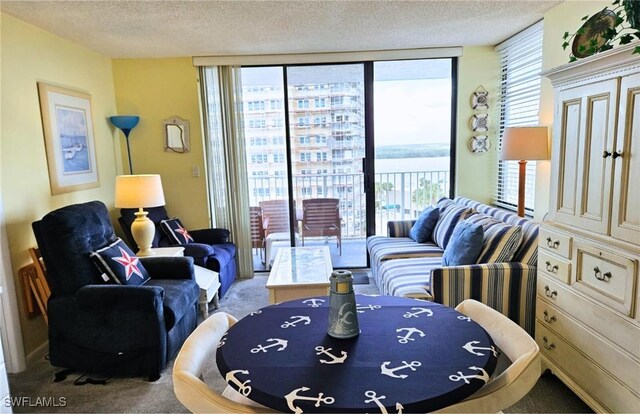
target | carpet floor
[{"x": 136, "y": 395}]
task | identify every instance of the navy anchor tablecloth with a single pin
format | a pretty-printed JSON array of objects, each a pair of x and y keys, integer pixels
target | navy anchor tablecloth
[{"x": 411, "y": 355}]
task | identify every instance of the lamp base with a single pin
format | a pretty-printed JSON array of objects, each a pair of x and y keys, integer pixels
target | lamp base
[
  {"x": 143, "y": 230},
  {"x": 522, "y": 175}
]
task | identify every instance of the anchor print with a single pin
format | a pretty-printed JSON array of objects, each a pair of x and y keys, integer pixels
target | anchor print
[
  {"x": 334, "y": 359},
  {"x": 243, "y": 388},
  {"x": 470, "y": 346},
  {"x": 362, "y": 308},
  {"x": 282, "y": 343},
  {"x": 390, "y": 372},
  {"x": 296, "y": 320},
  {"x": 464, "y": 318},
  {"x": 258, "y": 312},
  {"x": 461, "y": 377},
  {"x": 223, "y": 340},
  {"x": 429, "y": 312},
  {"x": 293, "y": 396},
  {"x": 314, "y": 302},
  {"x": 374, "y": 398},
  {"x": 410, "y": 331}
]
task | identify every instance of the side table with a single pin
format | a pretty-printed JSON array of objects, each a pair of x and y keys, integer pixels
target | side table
[{"x": 207, "y": 280}]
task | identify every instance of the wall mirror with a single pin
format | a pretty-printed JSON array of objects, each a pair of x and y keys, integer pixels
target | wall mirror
[{"x": 176, "y": 132}]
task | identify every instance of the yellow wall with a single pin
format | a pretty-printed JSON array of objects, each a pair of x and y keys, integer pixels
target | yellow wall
[
  {"x": 566, "y": 17},
  {"x": 475, "y": 174},
  {"x": 158, "y": 89},
  {"x": 31, "y": 55}
]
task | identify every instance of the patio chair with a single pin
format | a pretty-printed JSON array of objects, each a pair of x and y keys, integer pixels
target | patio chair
[
  {"x": 257, "y": 232},
  {"x": 275, "y": 224},
  {"x": 321, "y": 218}
]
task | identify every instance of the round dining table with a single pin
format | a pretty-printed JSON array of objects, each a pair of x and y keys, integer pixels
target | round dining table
[{"x": 410, "y": 356}]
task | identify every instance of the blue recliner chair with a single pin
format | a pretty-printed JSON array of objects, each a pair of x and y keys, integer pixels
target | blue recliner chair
[
  {"x": 111, "y": 329},
  {"x": 210, "y": 247}
]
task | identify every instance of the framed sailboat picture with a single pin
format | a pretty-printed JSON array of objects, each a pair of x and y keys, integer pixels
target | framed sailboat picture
[{"x": 68, "y": 136}]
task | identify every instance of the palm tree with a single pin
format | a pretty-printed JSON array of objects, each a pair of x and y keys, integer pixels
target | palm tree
[
  {"x": 427, "y": 193},
  {"x": 381, "y": 192}
]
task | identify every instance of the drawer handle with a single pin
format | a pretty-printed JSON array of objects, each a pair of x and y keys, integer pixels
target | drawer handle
[
  {"x": 551, "y": 269},
  {"x": 601, "y": 276},
  {"x": 548, "y": 345},
  {"x": 548, "y": 319},
  {"x": 606, "y": 154},
  {"x": 553, "y": 244},
  {"x": 550, "y": 294},
  {"x": 617, "y": 154}
]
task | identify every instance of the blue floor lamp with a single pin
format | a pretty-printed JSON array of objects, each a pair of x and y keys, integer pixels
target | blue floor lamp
[{"x": 126, "y": 123}]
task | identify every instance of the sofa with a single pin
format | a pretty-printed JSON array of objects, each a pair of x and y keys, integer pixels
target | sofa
[
  {"x": 209, "y": 248},
  {"x": 401, "y": 266}
]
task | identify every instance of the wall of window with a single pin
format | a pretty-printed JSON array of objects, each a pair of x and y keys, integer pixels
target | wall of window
[{"x": 519, "y": 105}]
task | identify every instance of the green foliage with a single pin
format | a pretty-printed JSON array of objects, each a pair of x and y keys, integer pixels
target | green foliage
[
  {"x": 626, "y": 15},
  {"x": 427, "y": 193},
  {"x": 381, "y": 190}
]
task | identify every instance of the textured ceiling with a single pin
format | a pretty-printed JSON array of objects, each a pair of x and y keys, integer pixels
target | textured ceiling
[{"x": 145, "y": 29}]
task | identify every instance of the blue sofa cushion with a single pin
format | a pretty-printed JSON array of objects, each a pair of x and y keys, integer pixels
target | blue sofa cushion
[
  {"x": 119, "y": 264},
  {"x": 450, "y": 214},
  {"x": 501, "y": 240},
  {"x": 465, "y": 244},
  {"x": 179, "y": 297},
  {"x": 423, "y": 227},
  {"x": 225, "y": 253},
  {"x": 175, "y": 231}
]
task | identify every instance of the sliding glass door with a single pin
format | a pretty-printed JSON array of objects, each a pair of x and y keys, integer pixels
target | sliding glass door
[
  {"x": 413, "y": 137},
  {"x": 316, "y": 135},
  {"x": 327, "y": 150}
]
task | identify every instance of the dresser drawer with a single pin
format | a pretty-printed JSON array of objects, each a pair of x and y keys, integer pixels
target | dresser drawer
[
  {"x": 612, "y": 325},
  {"x": 607, "y": 277},
  {"x": 554, "y": 266},
  {"x": 619, "y": 363},
  {"x": 554, "y": 241},
  {"x": 597, "y": 383}
]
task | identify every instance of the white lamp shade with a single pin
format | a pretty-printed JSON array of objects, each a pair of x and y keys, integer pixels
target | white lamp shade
[
  {"x": 525, "y": 143},
  {"x": 138, "y": 191}
]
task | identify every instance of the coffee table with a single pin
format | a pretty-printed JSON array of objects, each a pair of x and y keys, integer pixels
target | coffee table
[{"x": 299, "y": 272}]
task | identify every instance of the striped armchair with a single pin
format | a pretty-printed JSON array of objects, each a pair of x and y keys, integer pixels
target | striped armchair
[{"x": 403, "y": 267}]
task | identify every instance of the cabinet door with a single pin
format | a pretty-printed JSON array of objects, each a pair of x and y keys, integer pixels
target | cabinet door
[
  {"x": 586, "y": 136},
  {"x": 567, "y": 131},
  {"x": 625, "y": 214}
]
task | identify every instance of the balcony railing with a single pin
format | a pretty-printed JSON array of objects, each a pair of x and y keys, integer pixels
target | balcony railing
[{"x": 399, "y": 195}]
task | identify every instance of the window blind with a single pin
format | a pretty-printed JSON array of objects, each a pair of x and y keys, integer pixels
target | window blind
[{"x": 519, "y": 105}]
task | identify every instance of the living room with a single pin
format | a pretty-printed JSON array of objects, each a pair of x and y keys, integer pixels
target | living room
[{"x": 157, "y": 86}]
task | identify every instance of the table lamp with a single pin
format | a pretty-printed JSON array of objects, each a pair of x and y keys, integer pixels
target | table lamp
[
  {"x": 126, "y": 123},
  {"x": 522, "y": 144},
  {"x": 139, "y": 191}
]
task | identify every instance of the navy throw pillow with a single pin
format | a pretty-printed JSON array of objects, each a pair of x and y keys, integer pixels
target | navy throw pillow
[
  {"x": 118, "y": 263},
  {"x": 464, "y": 245},
  {"x": 175, "y": 231},
  {"x": 423, "y": 227}
]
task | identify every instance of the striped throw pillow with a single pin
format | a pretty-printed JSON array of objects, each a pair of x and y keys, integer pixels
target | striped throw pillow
[
  {"x": 500, "y": 241},
  {"x": 450, "y": 215}
]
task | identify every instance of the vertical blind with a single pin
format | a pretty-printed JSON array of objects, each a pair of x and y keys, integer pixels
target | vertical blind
[{"x": 519, "y": 105}]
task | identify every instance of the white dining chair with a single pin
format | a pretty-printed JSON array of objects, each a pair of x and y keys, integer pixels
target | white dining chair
[
  {"x": 514, "y": 382},
  {"x": 198, "y": 350}
]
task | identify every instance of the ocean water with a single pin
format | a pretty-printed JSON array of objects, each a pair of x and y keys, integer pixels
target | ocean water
[{"x": 398, "y": 165}]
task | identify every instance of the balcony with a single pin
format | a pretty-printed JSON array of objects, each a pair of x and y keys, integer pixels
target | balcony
[{"x": 399, "y": 196}]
